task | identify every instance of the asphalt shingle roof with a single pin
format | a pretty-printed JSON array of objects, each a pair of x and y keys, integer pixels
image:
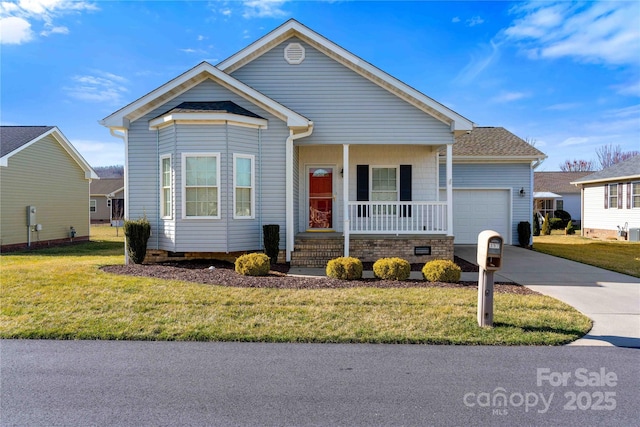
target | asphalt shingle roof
[
  {"x": 211, "y": 107},
  {"x": 106, "y": 185},
  {"x": 628, "y": 168},
  {"x": 493, "y": 142},
  {"x": 14, "y": 137},
  {"x": 557, "y": 182}
]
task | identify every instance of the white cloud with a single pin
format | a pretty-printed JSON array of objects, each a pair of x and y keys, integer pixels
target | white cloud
[
  {"x": 14, "y": 30},
  {"x": 510, "y": 96},
  {"x": 263, "y": 8},
  {"x": 455, "y": 19},
  {"x": 18, "y": 18},
  {"x": 566, "y": 106},
  {"x": 628, "y": 89},
  {"x": 574, "y": 140},
  {"x": 598, "y": 32},
  {"x": 478, "y": 63},
  {"x": 472, "y": 22},
  {"x": 99, "y": 153},
  {"x": 99, "y": 87}
]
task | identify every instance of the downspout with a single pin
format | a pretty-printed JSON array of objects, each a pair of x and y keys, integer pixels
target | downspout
[
  {"x": 158, "y": 187},
  {"x": 125, "y": 139},
  {"x": 290, "y": 232},
  {"x": 229, "y": 186},
  {"x": 259, "y": 185},
  {"x": 449, "y": 183}
]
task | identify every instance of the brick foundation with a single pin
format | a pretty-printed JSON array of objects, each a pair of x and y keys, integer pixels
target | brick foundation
[{"x": 597, "y": 233}]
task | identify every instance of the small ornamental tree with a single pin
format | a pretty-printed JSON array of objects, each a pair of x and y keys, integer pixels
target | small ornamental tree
[
  {"x": 137, "y": 233},
  {"x": 546, "y": 226},
  {"x": 570, "y": 230}
]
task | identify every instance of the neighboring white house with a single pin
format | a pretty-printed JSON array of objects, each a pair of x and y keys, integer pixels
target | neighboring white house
[
  {"x": 554, "y": 191},
  {"x": 296, "y": 131},
  {"x": 611, "y": 201}
]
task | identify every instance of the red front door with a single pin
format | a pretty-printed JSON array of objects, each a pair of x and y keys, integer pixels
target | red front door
[{"x": 320, "y": 197}]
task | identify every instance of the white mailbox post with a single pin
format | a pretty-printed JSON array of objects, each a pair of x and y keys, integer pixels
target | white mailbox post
[{"x": 489, "y": 259}]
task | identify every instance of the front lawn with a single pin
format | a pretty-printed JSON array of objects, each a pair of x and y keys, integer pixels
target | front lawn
[
  {"x": 61, "y": 294},
  {"x": 614, "y": 255}
]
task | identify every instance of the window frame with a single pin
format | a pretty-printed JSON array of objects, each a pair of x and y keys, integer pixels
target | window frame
[
  {"x": 252, "y": 186},
  {"x": 163, "y": 212},
  {"x": 635, "y": 192},
  {"x": 392, "y": 211},
  {"x": 611, "y": 197},
  {"x": 184, "y": 187},
  {"x": 93, "y": 205}
]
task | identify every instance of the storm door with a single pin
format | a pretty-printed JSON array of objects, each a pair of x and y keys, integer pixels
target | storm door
[{"x": 320, "y": 198}]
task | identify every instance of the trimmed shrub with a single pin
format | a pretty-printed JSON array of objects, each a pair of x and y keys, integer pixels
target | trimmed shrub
[
  {"x": 255, "y": 264},
  {"x": 546, "y": 228},
  {"x": 556, "y": 223},
  {"x": 137, "y": 233},
  {"x": 536, "y": 224},
  {"x": 564, "y": 216},
  {"x": 271, "y": 237},
  {"x": 345, "y": 268},
  {"x": 392, "y": 269},
  {"x": 441, "y": 270},
  {"x": 524, "y": 233},
  {"x": 570, "y": 230}
]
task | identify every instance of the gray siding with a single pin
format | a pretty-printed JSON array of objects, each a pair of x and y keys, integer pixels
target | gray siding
[
  {"x": 344, "y": 106},
  {"x": 145, "y": 147},
  {"x": 497, "y": 175}
]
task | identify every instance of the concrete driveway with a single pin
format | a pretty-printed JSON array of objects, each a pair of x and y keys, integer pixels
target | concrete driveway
[{"x": 611, "y": 300}]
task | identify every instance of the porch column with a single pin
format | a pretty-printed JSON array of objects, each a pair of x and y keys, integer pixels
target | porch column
[
  {"x": 290, "y": 232},
  {"x": 345, "y": 196},
  {"x": 449, "y": 190}
]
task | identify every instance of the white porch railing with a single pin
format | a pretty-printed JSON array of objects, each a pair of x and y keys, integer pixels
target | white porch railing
[{"x": 397, "y": 217}]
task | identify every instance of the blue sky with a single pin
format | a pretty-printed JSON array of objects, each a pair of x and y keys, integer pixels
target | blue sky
[{"x": 563, "y": 74}]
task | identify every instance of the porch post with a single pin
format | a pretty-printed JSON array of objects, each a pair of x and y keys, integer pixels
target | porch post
[
  {"x": 449, "y": 190},
  {"x": 345, "y": 196},
  {"x": 289, "y": 240}
]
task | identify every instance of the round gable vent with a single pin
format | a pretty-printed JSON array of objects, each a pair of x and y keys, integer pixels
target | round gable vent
[{"x": 294, "y": 53}]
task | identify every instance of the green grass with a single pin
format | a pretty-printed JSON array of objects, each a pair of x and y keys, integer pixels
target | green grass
[
  {"x": 614, "y": 255},
  {"x": 61, "y": 293}
]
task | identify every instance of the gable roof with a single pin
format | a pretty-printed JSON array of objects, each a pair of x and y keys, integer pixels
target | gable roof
[
  {"x": 629, "y": 169},
  {"x": 17, "y": 138},
  {"x": 106, "y": 186},
  {"x": 293, "y": 28},
  {"x": 557, "y": 182},
  {"x": 201, "y": 72},
  {"x": 493, "y": 143},
  {"x": 14, "y": 137}
]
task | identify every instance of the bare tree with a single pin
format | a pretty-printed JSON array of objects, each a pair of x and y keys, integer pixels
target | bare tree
[
  {"x": 577, "y": 166},
  {"x": 609, "y": 155}
]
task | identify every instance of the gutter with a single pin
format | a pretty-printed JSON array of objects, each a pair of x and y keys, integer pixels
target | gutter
[{"x": 290, "y": 232}]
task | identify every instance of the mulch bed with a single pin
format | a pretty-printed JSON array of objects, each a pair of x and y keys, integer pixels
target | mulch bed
[{"x": 223, "y": 273}]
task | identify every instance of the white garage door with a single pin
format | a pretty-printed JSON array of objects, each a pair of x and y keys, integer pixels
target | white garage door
[{"x": 478, "y": 210}]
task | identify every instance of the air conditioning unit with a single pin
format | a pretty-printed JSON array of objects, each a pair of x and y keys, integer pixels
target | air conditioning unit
[{"x": 634, "y": 234}]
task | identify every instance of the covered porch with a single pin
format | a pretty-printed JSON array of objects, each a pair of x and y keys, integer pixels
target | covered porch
[{"x": 370, "y": 202}]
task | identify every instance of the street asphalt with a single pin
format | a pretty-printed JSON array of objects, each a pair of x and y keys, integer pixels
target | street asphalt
[{"x": 128, "y": 383}]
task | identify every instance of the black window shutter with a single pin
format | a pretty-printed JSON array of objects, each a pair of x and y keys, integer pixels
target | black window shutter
[
  {"x": 405, "y": 188},
  {"x": 362, "y": 192},
  {"x": 606, "y": 196}
]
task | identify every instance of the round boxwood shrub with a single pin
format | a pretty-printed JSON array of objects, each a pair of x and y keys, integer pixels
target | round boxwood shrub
[
  {"x": 392, "y": 269},
  {"x": 441, "y": 270},
  {"x": 345, "y": 268},
  {"x": 564, "y": 216},
  {"x": 255, "y": 264}
]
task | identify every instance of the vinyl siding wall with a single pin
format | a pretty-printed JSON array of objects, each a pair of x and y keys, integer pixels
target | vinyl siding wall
[
  {"x": 599, "y": 218},
  {"x": 207, "y": 235},
  {"x": 45, "y": 176},
  {"x": 497, "y": 175},
  {"x": 344, "y": 106}
]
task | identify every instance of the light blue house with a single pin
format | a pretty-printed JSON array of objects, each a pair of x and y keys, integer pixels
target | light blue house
[{"x": 296, "y": 131}]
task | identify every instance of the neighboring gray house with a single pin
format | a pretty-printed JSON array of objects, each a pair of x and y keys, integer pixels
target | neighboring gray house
[
  {"x": 106, "y": 204},
  {"x": 296, "y": 131},
  {"x": 611, "y": 201},
  {"x": 554, "y": 191}
]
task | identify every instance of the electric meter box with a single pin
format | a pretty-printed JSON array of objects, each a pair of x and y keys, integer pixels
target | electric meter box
[
  {"x": 490, "y": 246},
  {"x": 31, "y": 216}
]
